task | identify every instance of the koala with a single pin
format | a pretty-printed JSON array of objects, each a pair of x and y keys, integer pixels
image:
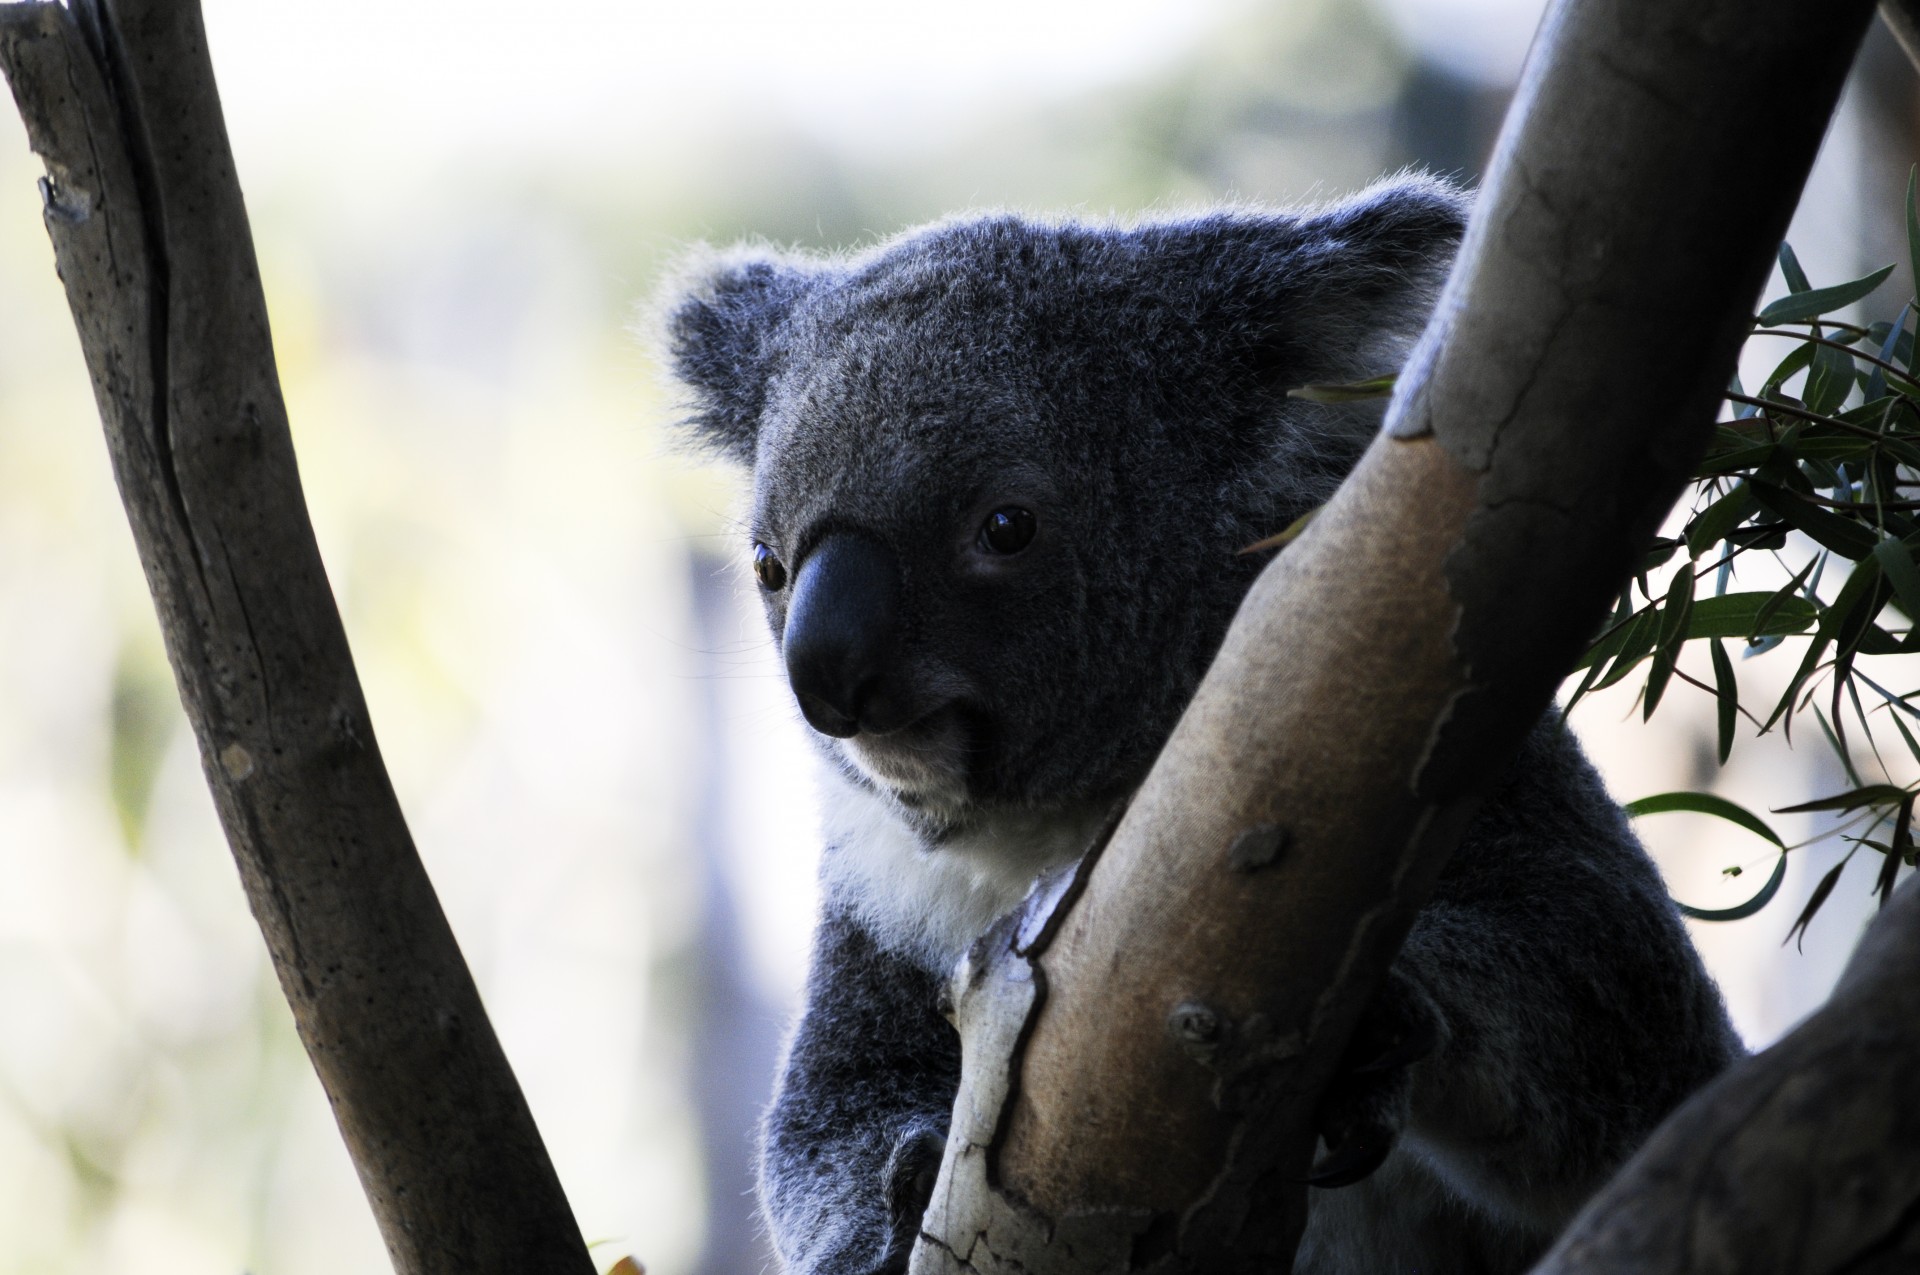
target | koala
[{"x": 1003, "y": 471}]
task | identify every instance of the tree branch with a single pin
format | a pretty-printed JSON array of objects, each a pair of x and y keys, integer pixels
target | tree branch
[
  {"x": 144, "y": 208},
  {"x": 1821, "y": 1129},
  {"x": 1145, "y": 1044}
]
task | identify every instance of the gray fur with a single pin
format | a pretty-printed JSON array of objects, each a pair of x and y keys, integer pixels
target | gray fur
[{"x": 1127, "y": 385}]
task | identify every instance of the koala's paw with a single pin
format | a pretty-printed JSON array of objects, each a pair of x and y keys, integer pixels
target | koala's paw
[
  {"x": 1366, "y": 1105},
  {"x": 911, "y": 1172}
]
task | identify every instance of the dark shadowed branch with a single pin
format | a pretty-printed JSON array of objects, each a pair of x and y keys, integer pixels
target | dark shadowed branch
[
  {"x": 152, "y": 241},
  {"x": 1144, "y": 1049},
  {"x": 1804, "y": 1160}
]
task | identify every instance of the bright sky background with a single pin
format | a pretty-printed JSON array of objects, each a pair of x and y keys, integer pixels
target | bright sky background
[
  {"x": 440, "y": 73},
  {"x": 458, "y": 71}
]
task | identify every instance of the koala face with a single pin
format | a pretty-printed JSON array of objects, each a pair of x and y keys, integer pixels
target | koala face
[{"x": 1002, "y": 469}]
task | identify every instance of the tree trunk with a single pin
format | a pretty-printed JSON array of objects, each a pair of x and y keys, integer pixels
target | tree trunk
[
  {"x": 1144, "y": 1045},
  {"x": 151, "y": 238}
]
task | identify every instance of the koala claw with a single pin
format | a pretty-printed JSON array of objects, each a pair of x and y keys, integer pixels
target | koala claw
[
  {"x": 911, "y": 1173},
  {"x": 1368, "y": 1101}
]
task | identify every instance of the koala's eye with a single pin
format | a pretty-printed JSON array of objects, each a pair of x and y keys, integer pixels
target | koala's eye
[
  {"x": 1006, "y": 530},
  {"x": 767, "y": 569}
]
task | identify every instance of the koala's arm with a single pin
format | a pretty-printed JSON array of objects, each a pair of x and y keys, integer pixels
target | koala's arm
[
  {"x": 1576, "y": 1013},
  {"x": 855, "y": 1131}
]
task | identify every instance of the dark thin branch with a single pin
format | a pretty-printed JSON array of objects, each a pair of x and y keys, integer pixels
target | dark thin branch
[
  {"x": 1849, "y": 350},
  {"x": 144, "y": 209},
  {"x": 1775, "y": 405}
]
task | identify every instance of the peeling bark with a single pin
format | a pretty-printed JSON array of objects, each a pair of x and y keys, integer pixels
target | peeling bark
[
  {"x": 151, "y": 238},
  {"x": 1139, "y": 1078}
]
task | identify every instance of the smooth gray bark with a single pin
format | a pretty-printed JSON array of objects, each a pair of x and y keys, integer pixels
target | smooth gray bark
[
  {"x": 1552, "y": 413},
  {"x": 151, "y": 238}
]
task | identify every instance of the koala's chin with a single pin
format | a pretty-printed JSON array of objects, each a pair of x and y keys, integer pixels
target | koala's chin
[{"x": 924, "y": 766}]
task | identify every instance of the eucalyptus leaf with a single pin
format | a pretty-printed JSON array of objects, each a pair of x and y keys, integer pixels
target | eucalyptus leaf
[
  {"x": 1712, "y": 524},
  {"x": 1790, "y": 270},
  {"x": 1726, "y": 690},
  {"x": 1815, "y": 302},
  {"x": 1848, "y": 539},
  {"x": 1830, "y": 379},
  {"x": 1819, "y": 896},
  {"x": 1731, "y": 615},
  {"x": 1741, "y": 911},
  {"x": 1704, "y": 803},
  {"x": 1853, "y": 799},
  {"x": 1349, "y": 392},
  {"x": 1896, "y": 560}
]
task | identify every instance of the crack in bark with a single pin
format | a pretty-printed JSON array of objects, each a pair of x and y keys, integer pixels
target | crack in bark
[{"x": 103, "y": 39}]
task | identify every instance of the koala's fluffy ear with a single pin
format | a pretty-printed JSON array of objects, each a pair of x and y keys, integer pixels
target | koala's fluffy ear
[
  {"x": 1373, "y": 264},
  {"x": 722, "y": 328}
]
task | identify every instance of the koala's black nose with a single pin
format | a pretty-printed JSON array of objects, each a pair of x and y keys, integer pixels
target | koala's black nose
[{"x": 840, "y": 635}]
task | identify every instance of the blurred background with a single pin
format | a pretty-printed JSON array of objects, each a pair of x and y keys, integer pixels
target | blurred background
[{"x": 457, "y": 210}]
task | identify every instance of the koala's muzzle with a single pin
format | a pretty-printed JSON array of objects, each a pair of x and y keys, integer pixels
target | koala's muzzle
[{"x": 841, "y": 635}]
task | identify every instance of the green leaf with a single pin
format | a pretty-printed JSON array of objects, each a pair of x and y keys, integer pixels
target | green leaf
[
  {"x": 1736, "y": 461},
  {"x": 1845, "y": 621},
  {"x": 1797, "y": 360},
  {"x": 1896, "y": 560},
  {"x": 1286, "y": 536},
  {"x": 1741, "y": 911},
  {"x": 1913, "y": 745},
  {"x": 1902, "y": 339},
  {"x": 1839, "y": 749},
  {"x": 1713, "y": 523},
  {"x": 1876, "y": 385},
  {"x": 1820, "y": 893},
  {"x": 1726, "y": 689},
  {"x": 1787, "y": 594},
  {"x": 1351, "y": 392},
  {"x": 1830, "y": 381},
  {"x": 1846, "y": 538},
  {"x": 1818, "y": 301},
  {"x": 1748, "y": 615},
  {"x": 1852, "y": 799},
  {"x": 1790, "y": 270},
  {"x": 1731, "y": 615},
  {"x": 1890, "y": 865},
  {"x": 1704, "y": 803},
  {"x": 1636, "y": 644},
  {"x": 1673, "y": 634}
]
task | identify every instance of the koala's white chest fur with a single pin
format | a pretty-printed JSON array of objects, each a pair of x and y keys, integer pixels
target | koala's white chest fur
[{"x": 930, "y": 901}]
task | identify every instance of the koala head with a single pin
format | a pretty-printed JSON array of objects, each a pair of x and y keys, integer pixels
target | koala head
[{"x": 1003, "y": 468}]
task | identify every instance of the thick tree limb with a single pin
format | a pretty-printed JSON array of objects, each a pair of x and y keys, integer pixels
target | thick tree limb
[
  {"x": 151, "y": 237},
  {"x": 1144, "y": 1047},
  {"x": 1804, "y": 1160}
]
